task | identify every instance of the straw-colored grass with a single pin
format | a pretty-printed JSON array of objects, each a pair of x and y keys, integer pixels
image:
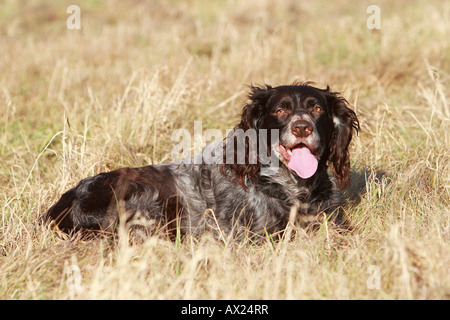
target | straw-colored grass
[{"x": 77, "y": 102}]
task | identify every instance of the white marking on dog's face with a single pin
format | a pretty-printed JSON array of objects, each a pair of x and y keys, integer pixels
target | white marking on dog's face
[{"x": 289, "y": 140}]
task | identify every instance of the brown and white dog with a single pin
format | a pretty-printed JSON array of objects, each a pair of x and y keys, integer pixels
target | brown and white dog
[{"x": 314, "y": 128}]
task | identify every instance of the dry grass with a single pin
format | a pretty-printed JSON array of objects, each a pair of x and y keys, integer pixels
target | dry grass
[{"x": 74, "y": 103}]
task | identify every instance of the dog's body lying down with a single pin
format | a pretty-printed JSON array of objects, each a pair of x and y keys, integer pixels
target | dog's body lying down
[{"x": 232, "y": 197}]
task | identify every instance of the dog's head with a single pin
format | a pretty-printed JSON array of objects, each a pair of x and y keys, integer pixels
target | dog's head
[{"x": 315, "y": 127}]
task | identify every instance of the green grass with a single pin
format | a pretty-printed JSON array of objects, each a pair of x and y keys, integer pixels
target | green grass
[{"x": 75, "y": 103}]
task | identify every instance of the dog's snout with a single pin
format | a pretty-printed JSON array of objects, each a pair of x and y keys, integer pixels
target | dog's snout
[{"x": 302, "y": 128}]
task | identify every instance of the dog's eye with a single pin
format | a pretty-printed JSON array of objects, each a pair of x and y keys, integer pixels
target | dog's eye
[
  {"x": 280, "y": 111},
  {"x": 317, "y": 108}
]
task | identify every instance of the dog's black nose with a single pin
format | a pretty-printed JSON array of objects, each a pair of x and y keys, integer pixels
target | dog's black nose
[{"x": 302, "y": 128}]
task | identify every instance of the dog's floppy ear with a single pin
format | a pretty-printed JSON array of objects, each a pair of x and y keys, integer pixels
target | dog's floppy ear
[
  {"x": 252, "y": 117},
  {"x": 254, "y": 111},
  {"x": 344, "y": 123}
]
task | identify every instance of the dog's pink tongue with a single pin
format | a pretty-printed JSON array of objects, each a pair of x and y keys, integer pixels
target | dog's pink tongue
[{"x": 303, "y": 162}]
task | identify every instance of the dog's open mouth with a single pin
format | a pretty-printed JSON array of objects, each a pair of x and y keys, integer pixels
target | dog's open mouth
[{"x": 300, "y": 159}]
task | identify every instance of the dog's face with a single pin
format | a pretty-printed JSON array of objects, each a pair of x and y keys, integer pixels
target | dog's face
[
  {"x": 315, "y": 127},
  {"x": 302, "y": 120}
]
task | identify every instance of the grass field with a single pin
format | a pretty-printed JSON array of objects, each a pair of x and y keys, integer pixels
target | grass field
[{"x": 77, "y": 102}]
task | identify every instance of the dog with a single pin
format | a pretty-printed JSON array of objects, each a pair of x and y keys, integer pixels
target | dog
[{"x": 239, "y": 193}]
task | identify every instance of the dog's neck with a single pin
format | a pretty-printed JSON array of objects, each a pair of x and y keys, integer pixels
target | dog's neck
[{"x": 286, "y": 182}]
